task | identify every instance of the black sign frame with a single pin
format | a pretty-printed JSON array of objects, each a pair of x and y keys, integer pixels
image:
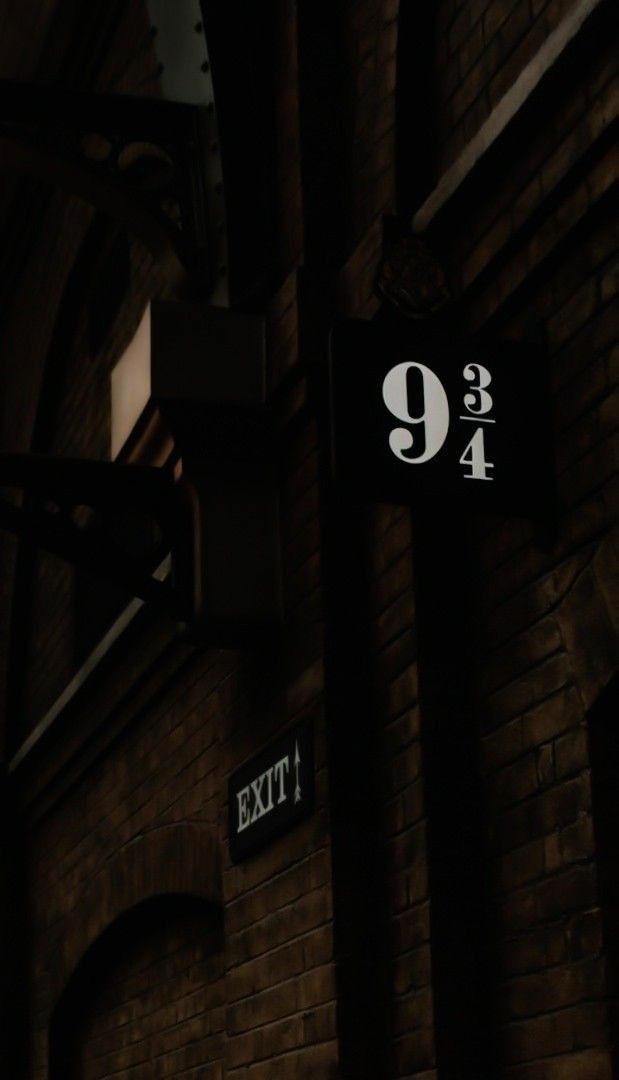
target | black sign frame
[
  {"x": 512, "y": 457},
  {"x": 272, "y": 792}
]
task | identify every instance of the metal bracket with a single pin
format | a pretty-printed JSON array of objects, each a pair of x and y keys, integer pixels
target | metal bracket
[{"x": 63, "y": 484}]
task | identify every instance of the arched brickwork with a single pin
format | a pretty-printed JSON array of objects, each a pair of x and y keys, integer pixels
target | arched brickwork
[
  {"x": 172, "y": 860},
  {"x": 147, "y": 993}
]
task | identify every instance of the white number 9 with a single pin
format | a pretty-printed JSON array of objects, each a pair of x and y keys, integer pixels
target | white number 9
[{"x": 435, "y": 415}]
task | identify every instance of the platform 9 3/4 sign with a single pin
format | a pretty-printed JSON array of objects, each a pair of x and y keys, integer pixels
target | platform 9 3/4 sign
[{"x": 415, "y": 421}]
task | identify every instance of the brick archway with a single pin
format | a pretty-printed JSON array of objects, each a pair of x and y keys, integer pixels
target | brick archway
[{"x": 170, "y": 860}]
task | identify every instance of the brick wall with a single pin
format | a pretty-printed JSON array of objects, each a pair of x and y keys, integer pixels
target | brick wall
[
  {"x": 170, "y": 765},
  {"x": 535, "y": 260},
  {"x": 541, "y": 673},
  {"x": 483, "y": 45},
  {"x": 166, "y": 966},
  {"x": 147, "y": 750}
]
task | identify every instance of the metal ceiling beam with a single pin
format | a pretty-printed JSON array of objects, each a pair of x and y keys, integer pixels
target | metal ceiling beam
[{"x": 58, "y": 535}]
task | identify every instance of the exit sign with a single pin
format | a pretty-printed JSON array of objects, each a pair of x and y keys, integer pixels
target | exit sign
[
  {"x": 416, "y": 422},
  {"x": 272, "y": 792}
]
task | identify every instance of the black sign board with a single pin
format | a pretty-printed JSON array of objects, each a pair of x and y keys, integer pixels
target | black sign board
[
  {"x": 415, "y": 421},
  {"x": 272, "y": 792}
]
